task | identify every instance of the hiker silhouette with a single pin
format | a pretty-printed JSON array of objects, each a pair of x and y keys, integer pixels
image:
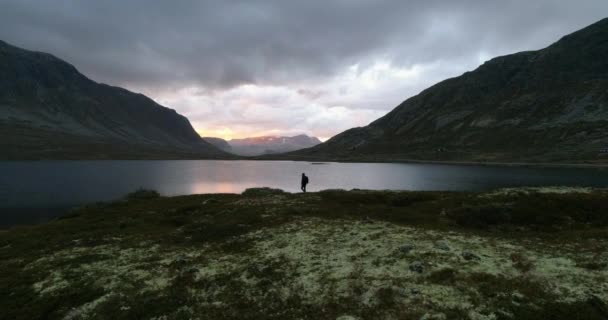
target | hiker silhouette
[{"x": 304, "y": 182}]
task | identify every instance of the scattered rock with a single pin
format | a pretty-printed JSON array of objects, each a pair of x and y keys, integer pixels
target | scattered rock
[
  {"x": 346, "y": 317},
  {"x": 476, "y": 315},
  {"x": 517, "y": 297},
  {"x": 504, "y": 313},
  {"x": 433, "y": 316},
  {"x": 417, "y": 266},
  {"x": 404, "y": 292},
  {"x": 209, "y": 201},
  {"x": 405, "y": 249},
  {"x": 259, "y": 270},
  {"x": 400, "y": 291},
  {"x": 467, "y": 255},
  {"x": 442, "y": 246},
  {"x": 180, "y": 260}
]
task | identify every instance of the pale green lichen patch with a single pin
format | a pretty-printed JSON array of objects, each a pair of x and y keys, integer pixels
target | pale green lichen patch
[
  {"x": 319, "y": 261},
  {"x": 327, "y": 257},
  {"x": 529, "y": 190},
  {"x": 85, "y": 311},
  {"x": 116, "y": 268},
  {"x": 52, "y": 283},
  {"x": 338, "y": 254},
  {"x": 316, "y": 261}
]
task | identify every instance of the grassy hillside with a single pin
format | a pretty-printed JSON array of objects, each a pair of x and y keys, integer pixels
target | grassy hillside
[{"x": 548, "y": 105}]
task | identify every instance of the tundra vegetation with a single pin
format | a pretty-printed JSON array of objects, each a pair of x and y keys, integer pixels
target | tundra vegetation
[{"x": 335, "y": 254}]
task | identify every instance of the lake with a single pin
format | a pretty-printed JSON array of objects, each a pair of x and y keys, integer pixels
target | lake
[{"x": 35, "y": 191}]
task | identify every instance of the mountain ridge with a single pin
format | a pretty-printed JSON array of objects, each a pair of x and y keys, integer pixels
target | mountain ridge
[
  {"x": 263, "y": 145},
  {"x": 533, "y": 106},
  {"x": 45, "y": 101}
]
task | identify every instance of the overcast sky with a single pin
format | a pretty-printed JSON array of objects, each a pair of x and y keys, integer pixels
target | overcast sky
[{"x": 249, "y": 68}]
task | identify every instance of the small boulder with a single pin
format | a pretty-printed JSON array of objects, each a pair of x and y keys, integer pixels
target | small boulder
[
  {"x": 406, "y": 248},
  {"x": 441, "y": 245},
  {"x": 180, "y": 260},
  {"x": 417, "y": 266},
  {"x": 517, "y": 297},
  {"x": 400, "y": 291},
  {"x": 467, "y": 255},
  {"x": 433, "y": 316}
]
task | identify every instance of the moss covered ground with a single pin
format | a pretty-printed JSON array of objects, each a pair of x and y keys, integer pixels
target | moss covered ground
[{"x": 335, "y": 254}]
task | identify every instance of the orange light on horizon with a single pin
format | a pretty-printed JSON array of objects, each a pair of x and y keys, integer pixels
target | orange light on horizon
[
  {"x": 228, "y": 134},
  {"x": 224, "y": 133}
]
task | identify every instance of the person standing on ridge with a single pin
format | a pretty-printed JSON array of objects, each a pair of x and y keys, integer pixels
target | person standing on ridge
[{"x": 304, "y": 182}]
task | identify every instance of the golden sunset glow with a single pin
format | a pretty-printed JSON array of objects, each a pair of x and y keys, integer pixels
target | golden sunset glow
[
  {"x": 228, "y": 134},
  {"x": 224, "y": 133}
]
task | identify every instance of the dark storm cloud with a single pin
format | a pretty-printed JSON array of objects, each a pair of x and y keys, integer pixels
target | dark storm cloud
[
  {"x": 242, "y": 68},
  {"x": 219, "y": 44}
]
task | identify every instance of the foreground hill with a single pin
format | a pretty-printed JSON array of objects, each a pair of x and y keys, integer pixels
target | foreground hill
[
  {"x": 264, "y": 145},
  {"x": 508, "y": 254},
  {"x": 50, "y": 110},
  {"x": 549, "y": 105}
]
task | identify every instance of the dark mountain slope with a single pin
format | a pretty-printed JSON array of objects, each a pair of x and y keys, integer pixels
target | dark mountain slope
[
  {"x": 50, "y": 110},
  {"x": 545, "y": 105},
  {"x": 219, "y": 143}
]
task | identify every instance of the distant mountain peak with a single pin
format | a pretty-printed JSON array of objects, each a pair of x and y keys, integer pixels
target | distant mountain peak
[{"x": 254, "y": 146}]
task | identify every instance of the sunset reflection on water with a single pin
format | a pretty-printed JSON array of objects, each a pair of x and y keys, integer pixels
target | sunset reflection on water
[
  {"x": 217, "y": 187},
  {"x": 67, "y": 183}
]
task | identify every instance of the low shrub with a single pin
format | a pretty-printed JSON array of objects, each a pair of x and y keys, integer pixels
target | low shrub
[
  {"x": 265, "y": 191},
  {"x": 142, "y": 194}
]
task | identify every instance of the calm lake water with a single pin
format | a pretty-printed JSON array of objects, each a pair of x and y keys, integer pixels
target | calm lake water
[{"x": 35, "y": 191}]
